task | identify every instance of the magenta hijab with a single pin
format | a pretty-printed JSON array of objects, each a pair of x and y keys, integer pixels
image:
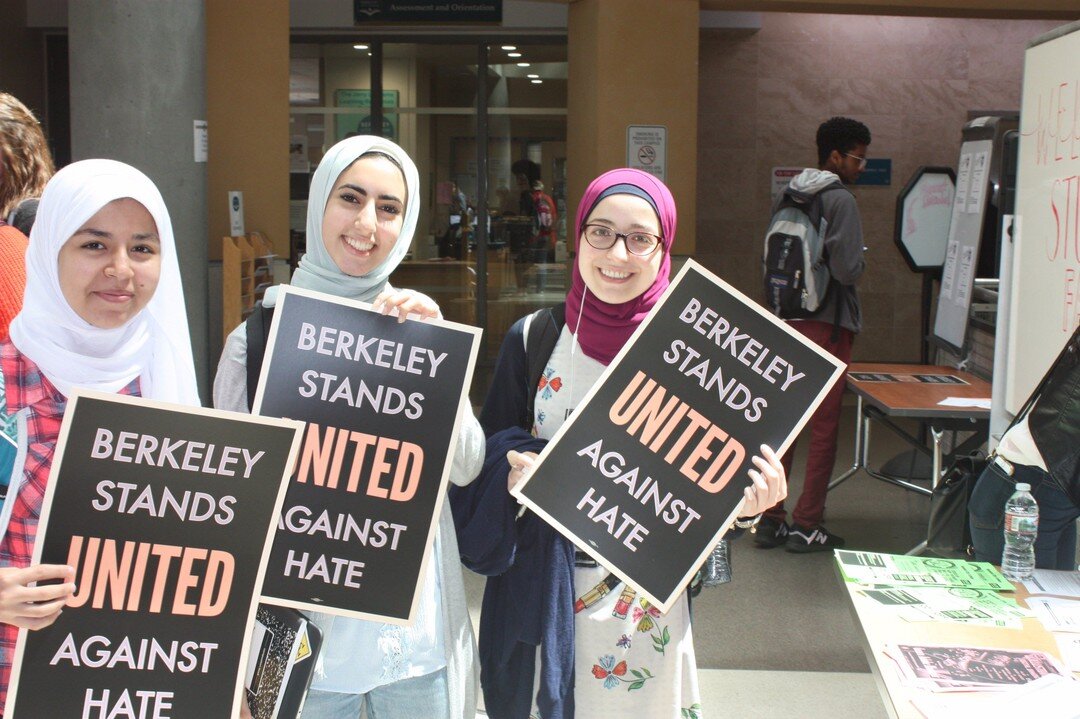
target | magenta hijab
[{"x": 601, "y": 328}]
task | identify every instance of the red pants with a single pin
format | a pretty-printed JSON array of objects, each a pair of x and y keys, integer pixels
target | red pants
[{"x": 823, "y": 427}]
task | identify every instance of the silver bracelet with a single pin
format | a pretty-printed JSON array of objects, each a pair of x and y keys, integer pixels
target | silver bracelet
[{"x": 750, "y": 524}]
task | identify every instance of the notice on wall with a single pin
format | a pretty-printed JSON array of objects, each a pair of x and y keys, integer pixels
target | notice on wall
[
  {"x": 167, "y": 514},
  {"x": 780, "y": 178},
  {"x": 382, "y": 401},
  {"x": 201, "y": 140},
  {"x": 980, "y": 164},
  {"x": 646, "y": 149},
  {"x": 649, "y": 472}
]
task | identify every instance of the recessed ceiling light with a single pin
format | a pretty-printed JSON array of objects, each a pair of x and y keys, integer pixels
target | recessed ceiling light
[
  {"x": 523, "y": 64},
  {"x": 509, "y": 47},
  {"x": 513, "y": 54},
  {"x": 369, "y": 54},
  {"x": 532, "y": 76},
  {"x": 537, "y": 82},
  {"x": 360, "y": 46}
]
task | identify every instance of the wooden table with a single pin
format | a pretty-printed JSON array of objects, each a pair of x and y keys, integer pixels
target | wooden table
[
  {"x": 878, "y": 626},
  {"x": 908, "y": 397},
  {"x": 903, "y": 394}
]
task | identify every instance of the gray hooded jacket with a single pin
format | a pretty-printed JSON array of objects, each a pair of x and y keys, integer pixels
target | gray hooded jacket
[{"x": 843, "y": 243}]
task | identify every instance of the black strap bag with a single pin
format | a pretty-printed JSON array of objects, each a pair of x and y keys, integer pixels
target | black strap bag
[{"x": 949, "y": 531}]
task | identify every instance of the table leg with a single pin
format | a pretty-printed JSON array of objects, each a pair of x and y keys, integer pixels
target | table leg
[{"x": 862, "y": 427}]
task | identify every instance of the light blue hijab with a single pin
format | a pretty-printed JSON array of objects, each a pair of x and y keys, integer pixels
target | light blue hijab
[{"x": 317, "y": 270}]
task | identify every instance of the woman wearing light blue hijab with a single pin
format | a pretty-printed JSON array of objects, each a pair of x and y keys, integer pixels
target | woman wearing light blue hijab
[{"x": 362, "y": 212}]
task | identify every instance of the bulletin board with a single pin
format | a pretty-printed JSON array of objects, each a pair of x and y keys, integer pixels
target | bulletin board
[
  {"x": 1045, "y": 281},
  {"x": 962, "y": 246}
]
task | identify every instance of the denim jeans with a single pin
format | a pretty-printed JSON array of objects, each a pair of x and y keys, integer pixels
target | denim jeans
[
  {"x": 1055, "y": 545},
  {"x": 424, "y": 696}
]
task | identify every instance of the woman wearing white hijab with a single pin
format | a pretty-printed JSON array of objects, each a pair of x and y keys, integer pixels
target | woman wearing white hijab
[
  {"x": 103, "y": 310},
  {"x": 362, "y": 211}
]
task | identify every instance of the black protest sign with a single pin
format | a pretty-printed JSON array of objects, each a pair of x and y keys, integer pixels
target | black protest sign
[
  {"x": 382, "y": 401},
  {"x": 650, "y": 470},
  {"x": 167, "y": 514}
]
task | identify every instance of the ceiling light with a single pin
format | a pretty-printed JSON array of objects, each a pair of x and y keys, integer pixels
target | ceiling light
[
  {"x": 536, "y": 82},
  {"x": 361, "y": 46},
  {"x": 513, "y": 54},
  {"x": 532, "y": 76},
  {"x": 523, "y": 64},
  {"x": 509, "y": 47}
]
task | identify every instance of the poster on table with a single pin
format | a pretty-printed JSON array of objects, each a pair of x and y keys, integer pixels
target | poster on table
[
  {"x": 167, "y": 514},
  {"x": 381, "y": 400},
  {"x": 649, "y": 472}
]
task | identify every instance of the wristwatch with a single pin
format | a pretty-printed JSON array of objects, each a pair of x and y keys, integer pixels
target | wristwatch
[{"x": 750, "y": 523}]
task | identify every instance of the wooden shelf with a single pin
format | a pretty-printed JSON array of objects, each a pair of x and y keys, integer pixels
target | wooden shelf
[{"x": 247, "y": 269}]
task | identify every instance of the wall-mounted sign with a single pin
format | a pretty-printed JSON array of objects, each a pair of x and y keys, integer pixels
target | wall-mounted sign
[
  {"x": 646, "y": 149},
  {"x": 349, "y": 124},
  {"x": 365, "y": 11},
  {"x": 781, "y": 178},
  {"x": 877, "y": 172},
  {"x": 923, "y": 212}
]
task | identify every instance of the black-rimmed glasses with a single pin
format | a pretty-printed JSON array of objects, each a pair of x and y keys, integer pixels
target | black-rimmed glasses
[{"x": 601, "y": 237}]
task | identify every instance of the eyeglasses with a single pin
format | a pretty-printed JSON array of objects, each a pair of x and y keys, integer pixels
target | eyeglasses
[
  {"x": 862, "y": 160},
  {"x": 601, "y": 237}
]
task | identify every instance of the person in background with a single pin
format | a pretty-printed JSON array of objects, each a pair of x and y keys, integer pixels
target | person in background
[
  {"x": 363, "y": 206},
  {"x": 553, "y": 643},
  {"x": 1040, "y": 449},
  {"x": 25, "y": 166},
  {"x": 545, "y": 217},
  {"x": 841, "y": 145},
  {"x": 454, "y": 242},
  {"x": 23, "y": 216},
  {"x": 104, "y": 311}
]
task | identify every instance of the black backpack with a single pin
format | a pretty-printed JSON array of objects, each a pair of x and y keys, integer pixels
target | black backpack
[
  {"x": 543, "y": 332},
  {"x": 257, "y": 329}
]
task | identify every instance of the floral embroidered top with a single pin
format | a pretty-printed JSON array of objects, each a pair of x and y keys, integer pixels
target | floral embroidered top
[
  {"x": 26, "y": 388},
  {"x": 630, "y": 660}
]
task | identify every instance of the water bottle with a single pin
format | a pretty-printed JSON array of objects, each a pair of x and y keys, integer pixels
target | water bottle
[
  {"x": 1021, "y": 526},
  {"x": 717, "y": 569}
]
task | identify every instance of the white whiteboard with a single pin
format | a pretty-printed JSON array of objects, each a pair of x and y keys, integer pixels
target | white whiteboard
[{"x": 1045, "y": 295}]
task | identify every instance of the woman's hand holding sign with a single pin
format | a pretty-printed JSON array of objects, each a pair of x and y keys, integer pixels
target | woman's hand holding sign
[
  {"x": 768, "y": 484},
  {"x": 406, "y": 302},
  {"x": 521, "y": 463},
  {"x": 34, "y": 607}
]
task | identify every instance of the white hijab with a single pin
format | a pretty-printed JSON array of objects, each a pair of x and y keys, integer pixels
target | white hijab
[
  {"x": 154, "y": 345},
  {"x": 317, "y": 270}
]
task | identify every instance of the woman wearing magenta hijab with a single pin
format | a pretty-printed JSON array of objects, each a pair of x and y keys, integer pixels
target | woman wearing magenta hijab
[{"x": 560, "y": 636}]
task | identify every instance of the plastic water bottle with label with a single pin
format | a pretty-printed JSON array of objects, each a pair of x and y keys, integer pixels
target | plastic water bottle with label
[{"x": 1021, "y": 526}]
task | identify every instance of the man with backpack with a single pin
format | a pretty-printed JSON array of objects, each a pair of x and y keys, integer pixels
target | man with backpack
[{"x": 813, "y": 259}]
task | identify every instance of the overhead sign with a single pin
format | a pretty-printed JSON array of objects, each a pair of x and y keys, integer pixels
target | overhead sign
[
  {"x": 649, "y": 471},
  {"x": 646, "y": 149},
  {"x": 167, "y": 514},
  {"x": 367, "y": 11},
  {"x": 382, "y": 402}
]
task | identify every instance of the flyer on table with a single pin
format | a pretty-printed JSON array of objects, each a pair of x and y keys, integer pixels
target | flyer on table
[
  {"x": 649, "y": 472},
  {"x": 166, "y": 513},
  {"x": 382, "y": 401}
]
